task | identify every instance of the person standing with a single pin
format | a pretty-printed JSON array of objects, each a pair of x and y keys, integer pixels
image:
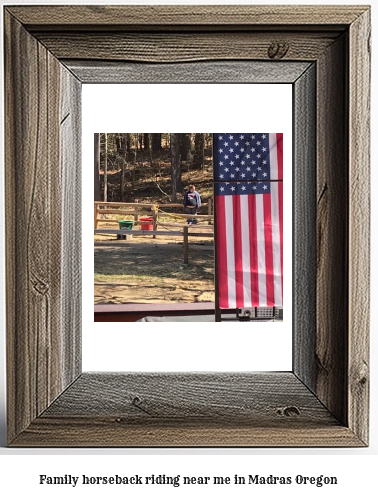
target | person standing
[{"x": 192, "y": 202}]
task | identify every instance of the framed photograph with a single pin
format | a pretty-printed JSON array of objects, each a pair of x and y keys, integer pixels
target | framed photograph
[{"x": 324, "y": 53}]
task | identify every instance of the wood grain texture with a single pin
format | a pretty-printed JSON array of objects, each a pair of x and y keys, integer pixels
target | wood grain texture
[
  {"x": 71, "y": 172},
  {"x": 331, "y": 350},
  {"x": 33, "y": 228},
  {"x": 42, "y": 124},
  {"x": 174, "y": 16},
  {"x": 202, "y": 72},
  {"x": 304, "y": 230},
  {"x": 192, "y": 409},
  {"x": 359, "y": 227},
  {"x": 179, "y": 47}
]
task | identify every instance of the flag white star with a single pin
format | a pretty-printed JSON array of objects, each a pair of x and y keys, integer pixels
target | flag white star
[
  {"x": 244, "y": 188},
  {"x": 237, "y": 156},
  {"x": 232, "y": 162},
  {"x": 254, "y": 187},
  {"x": 231, "y": 137},
  {"x": 226, "y": 169},
  {"x": 258, "y": 143},
  {"x": 233, "y": 188},
  {"x": 232, "y": 176},
  {"x": 225, "y": 144},
  {"x": 242, "y": 175},
  {"x": 226, "y": 157},
  {"x": 263, "y": 136},
  {"x": 265, "y": 187},
  {"x": 242, "y": 137},
  {"x": 258, "y": 156},
  {"x": 236, "y": 143},
  {"x": 247, "y": 143},
  {"x": 248, "y": 169},
  {"x": 220, "y": 137},
  {"x": 265, "y": 174},
  {"x": 231, "y": 150},
  {"x": 264, "y": 149},
  {"x": 220, "y": 163},
  {"x": 222, "y": 188},
  {"x": 248, "y": 156},
  {"x": 221, "y": 176},
  {"x": 237, "y": 169},
  {"x": 220, "y": 150}
]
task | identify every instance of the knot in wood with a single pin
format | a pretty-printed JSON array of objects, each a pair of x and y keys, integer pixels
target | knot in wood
[
  {"x": 288, "y": 411},
  {"x": 277, "y": 50},
  {"x": 41, "y": 287}
]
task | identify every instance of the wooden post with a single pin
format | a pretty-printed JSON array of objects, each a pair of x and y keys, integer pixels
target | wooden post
[
  {"x": 95, "y": 215},
  {"x": 186, "y": 244},
  {"x": 209, "y": 206},
  {"x": 155, "y": 214}
]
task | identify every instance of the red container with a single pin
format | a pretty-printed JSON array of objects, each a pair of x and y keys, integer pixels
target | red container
[{"x": 146, "y": 223}]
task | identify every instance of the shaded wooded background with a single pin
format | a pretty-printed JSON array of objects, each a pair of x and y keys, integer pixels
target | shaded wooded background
[{"x": 132, "y": 167}]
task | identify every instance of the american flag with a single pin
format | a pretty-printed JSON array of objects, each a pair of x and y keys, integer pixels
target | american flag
[{"x": 248, "y": 170}]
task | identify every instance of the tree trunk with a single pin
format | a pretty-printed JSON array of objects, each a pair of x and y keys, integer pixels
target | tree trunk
[
  {"x": 156, "y": 142},
  {"x": 186, "y": 147},
  {"x": 106, "y": 169},
  {"x": 199, "y": 143},
  {"x": 146, "y": 142},
  {"x": 175, "y": 166},
  {"x": 97, "y": 190}
]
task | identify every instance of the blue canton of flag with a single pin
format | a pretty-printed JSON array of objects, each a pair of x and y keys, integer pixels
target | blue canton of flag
[
  {"x": 241, "y": 157},
  {"x": 229, "y": 188}
]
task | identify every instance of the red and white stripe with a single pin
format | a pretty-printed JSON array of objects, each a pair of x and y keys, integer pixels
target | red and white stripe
[{"x": 250, "y": 242}]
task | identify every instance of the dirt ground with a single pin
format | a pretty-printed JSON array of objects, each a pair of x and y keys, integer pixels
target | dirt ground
[{"x": 147, "y": 270}]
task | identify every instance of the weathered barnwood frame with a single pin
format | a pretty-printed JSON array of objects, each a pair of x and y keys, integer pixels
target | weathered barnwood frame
[{"x": 49, "y": 52}]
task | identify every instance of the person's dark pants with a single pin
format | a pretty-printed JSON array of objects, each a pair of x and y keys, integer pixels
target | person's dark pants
[{"x": 193, "y": 211}]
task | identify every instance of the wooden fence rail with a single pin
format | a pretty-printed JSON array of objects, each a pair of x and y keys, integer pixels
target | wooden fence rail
[{"x": 136, "y": 210}]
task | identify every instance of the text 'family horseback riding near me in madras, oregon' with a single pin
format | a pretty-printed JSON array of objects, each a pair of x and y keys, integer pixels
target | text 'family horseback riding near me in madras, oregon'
[{"x": 189, "y": 226}]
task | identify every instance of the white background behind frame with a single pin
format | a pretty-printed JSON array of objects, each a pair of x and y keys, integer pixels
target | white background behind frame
[{"x": 149, "y": 347}]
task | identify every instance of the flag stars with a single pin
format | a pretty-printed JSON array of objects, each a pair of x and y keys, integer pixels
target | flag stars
[
  {"x": 244, "y": 188},
  {"x": 232, "y": 163},
  {"x": 263, "y": 136},
  {"x": 233, "y": 188},
  {"x": 220, "y": 137},
  {"x": 226, "y": 157},
  {"x": 231, "y": 137},
  {"x": 258, "y": 143},
  {"x": 264, "y": 149},
  {"x": 265, "y": 187},
  {"x": 231, "y": 150},
  {"x": 220, "y": 150},
  {"x": 241, "y": 137},
  {"x": 222, "y": 188},
  {"x": 232, "y": 176},
  {"x": 225, "y": 144}
]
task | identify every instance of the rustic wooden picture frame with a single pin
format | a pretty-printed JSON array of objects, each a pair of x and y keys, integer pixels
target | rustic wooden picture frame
[{"x": 324, "y": 400}]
